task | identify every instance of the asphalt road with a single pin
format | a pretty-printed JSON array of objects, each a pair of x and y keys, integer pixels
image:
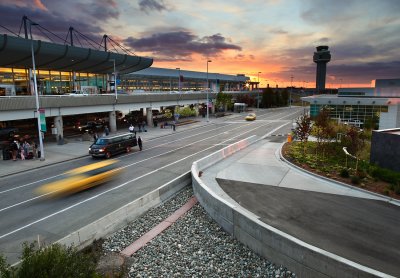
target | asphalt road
[{"x": 25, "y": 216}]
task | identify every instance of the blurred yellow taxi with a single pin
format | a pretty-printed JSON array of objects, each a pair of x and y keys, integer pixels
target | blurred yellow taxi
[
  {"x": 250, "y": 117},
  {"x": 81, "y": 178}
]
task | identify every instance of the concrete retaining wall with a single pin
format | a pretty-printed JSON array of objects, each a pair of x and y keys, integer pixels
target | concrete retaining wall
[
  {"x": 304, "y": 259},
  {"x": 121, "y": 217}
]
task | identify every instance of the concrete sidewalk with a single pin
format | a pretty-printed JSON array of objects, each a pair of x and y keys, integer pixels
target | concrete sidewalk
[
  {"x": 77, "y": 147},
  {"x": 346, "y": 221}
]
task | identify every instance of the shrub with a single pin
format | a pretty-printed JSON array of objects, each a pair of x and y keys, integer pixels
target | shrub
[
  {"x": 52, "y": 261},
  {"x": 355, "y": 179},
  {"x": 5, "y": 269},
  {"x": 385, "y": 174},
  {"x": 397, "y": 189},
  {"x": 344, "y": 173}
]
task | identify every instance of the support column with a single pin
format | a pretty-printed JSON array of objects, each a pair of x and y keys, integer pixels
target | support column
[
  {"x": 112, "y": 121},
  {"x": 59, "y": 125},
  {"x": 149, "y": 115}
]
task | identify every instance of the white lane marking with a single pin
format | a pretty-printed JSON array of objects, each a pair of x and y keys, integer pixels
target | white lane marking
[
  {"x": 163, "y": 144},
  {"x": 119, "y": 186},
  {"x": 28, "y": 200},
  {"x": 52, "y": 177},
  {"x": 126, "y": 166},
  {"x": 31, "y": 183}
]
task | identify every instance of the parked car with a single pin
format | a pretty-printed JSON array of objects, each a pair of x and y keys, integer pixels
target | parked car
[
  {"x": 108, "y": 146},
  {"x": 250, "y": 117},
  {"x": 8, "y": 132},
  {"x": 90, "y": 126}
]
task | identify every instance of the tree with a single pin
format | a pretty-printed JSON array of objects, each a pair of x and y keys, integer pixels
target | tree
[
  {"x": 246, "y": 99},
  {"x": 323, "y": 130},
  {"x": 267, "y": 98},
  {"x": 284, "y": 98},
  {"x": 224, "y": 101},
  {"x": 303, "y": 128}
]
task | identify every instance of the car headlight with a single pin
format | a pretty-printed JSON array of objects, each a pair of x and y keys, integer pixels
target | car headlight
[
  {"x": 90, "y": 149},
  {"x": 101, "y": 150}
]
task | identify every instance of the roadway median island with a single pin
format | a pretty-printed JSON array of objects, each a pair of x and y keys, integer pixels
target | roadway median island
[{"x": 304, "y": 259}]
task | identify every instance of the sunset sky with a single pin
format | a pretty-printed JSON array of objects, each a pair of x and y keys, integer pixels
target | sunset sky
[{"x": 274, "y": 37}]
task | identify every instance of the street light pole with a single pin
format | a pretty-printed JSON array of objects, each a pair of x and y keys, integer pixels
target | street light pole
[
  {"x": 291, "y": 89},
  {"x": 258, "y": 90},
  {"x": 179, "y": 79},
  {"x": 36, "y": 94},
  {"x": 115, "y": 80},
  {"x": 208, "y": 88}
]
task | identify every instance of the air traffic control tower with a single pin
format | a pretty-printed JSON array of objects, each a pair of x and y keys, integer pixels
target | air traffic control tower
[{"x": 321, "y": 57}]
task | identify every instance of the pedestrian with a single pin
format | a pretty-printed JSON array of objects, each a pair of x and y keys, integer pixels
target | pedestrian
[
  {"x": 95, "y": 136},
  {"x": 144, "y": 126},
  {"x": 140, "y": 127},
  {"x": 22, "y": 152},
  {"x": 139, "y": 141},
  {"x": 14, "y": 148},
  {"x": 173, "y": 125},
  {"x": 106, "y": 131},
  {"x": 131, "y": 129},
  {"x": 26, "y": 147}
]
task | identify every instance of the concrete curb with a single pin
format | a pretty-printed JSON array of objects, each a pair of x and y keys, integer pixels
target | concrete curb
[
  {"x": 302, "y": 258},
  {"x": 116, "y": 220},
  {"x": 388, "y": 199}
]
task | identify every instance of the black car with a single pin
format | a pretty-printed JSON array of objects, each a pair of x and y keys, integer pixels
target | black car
[
  {"x": 108, "y": 146},
  {"x": 90, "y": 127},
  {"x": 7, "y": 132}
]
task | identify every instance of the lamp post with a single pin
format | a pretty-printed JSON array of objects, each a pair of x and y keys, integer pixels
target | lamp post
[
  {"x": 208, "y": 87},
  {"x": 115, "y": 80},
  {"x": 258, "y": 90},
  {"x": 36, "y": 94},
  {"x": 179, "y": 79},
  {"x": 291, "y": 88}
]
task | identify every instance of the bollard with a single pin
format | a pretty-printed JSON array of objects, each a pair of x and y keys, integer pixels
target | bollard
[{"x": 289, "y": 138}]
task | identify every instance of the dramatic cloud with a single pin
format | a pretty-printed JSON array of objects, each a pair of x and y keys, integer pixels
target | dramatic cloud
[
  {"x": 150, "y": 5},
  {"x": 56, "y": 21},
  {"x": 181, "y": 45}
]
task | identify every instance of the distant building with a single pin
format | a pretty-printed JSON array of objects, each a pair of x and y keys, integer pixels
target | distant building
[{"x": 357, "y": 106}]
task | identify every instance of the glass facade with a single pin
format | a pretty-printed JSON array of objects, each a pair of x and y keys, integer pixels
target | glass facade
[
  {"x": 349, "y": 113},
  {"x": 16, "y": 82}
]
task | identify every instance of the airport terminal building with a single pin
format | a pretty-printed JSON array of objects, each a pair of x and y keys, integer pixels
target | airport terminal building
[
  {"x": 357, "y": 106},
  {"x": 62, "y": 69},
  {"x": 15, "y": 81}
]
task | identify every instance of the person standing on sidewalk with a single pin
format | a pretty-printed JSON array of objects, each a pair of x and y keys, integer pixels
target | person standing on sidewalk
[
  {"x": 106, "y": 130},
  {"x": 132, "y": 129},
  {"x": 144, "y": 126},
  {"x": 140, "y": 143}
]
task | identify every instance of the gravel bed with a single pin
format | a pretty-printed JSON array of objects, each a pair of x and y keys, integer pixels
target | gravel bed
[{"x": 195, "y": 246}]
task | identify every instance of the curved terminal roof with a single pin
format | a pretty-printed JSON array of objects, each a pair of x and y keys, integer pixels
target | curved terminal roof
[{"x": 16, "y": 52}]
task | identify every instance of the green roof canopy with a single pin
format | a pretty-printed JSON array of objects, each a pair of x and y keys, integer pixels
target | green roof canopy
[{"x": 16, "y": 52}]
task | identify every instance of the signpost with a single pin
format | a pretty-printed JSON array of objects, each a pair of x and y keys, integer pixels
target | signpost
[{"x": 42, "y": 115}]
